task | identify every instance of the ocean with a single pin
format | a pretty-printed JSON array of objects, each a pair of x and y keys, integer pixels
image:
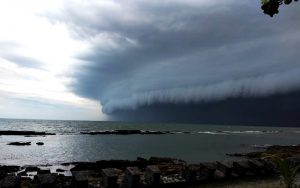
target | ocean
[{"x": 203, "y": 143}]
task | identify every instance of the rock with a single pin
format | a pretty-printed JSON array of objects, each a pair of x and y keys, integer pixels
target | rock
[
  {"x": 10, "y": 169},
  {"x": 83, "y": 166},
  {"x": 219, "y": 175},
  {"x": 241, "y": 167},
  {"x": 24, "y": 133},
  {"x": 159, "y": 160},
  {"x": 132, "y": 177},
  {"x": 121, "y": 164},
  {"x": 141, "y": 159},
  {"x": 190, "y": 173},
  {"x": 5, "y": 170},
  {"x": 60, "y": 170},
  {"x": 140, "y": 162},
  {"x": 20, "y": 143},
  {"x": 152, "y": 175},
  {"x": 269, "y": 166},
  {"x": 207, "y": 170},
  {"x": 80, "y": 179},
  {"x": 236, "y": 154},
  {"x": 46, "y": 180},
  {"x": 43, "y": 171},
  {"x": 26, "y": 182},
  {"x": 40, "y": 143},
  {"x": 226, "y": 167},
  {"x": 256, "y": 166},
  {"x": 10, "y": 182},
  {"x": 32, "y": 169},
  {"x": 109, "y": 177},
  {"x": 22, "y": 173}
]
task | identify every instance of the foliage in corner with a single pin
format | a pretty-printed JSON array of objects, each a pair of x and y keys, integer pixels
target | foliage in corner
[
  {"x": 287, "y": 170},
  {"x": 271, "y": 7}
]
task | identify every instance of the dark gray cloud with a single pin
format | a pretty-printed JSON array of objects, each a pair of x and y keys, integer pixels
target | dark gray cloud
[{"x": 182, "y": 52}]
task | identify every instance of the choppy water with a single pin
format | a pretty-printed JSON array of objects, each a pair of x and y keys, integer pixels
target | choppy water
[{"x": 205, "y": 143}]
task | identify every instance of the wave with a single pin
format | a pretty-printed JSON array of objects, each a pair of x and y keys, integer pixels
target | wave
[{"x": 212, "y": 132}]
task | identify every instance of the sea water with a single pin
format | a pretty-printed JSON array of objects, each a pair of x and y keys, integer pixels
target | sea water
[{"x": 203, "y": 143}]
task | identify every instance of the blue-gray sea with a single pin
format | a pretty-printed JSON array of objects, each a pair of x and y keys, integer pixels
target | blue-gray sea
[{"x": 205, "y": 143}]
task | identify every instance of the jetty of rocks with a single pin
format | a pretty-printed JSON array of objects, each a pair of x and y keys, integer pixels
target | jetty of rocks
[{"x": 153, "y": 172}]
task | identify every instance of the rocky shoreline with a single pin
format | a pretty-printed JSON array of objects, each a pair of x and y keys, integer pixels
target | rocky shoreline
[
  {"x": 24, "y": 133},
  {"x": 152, "y": 172}
]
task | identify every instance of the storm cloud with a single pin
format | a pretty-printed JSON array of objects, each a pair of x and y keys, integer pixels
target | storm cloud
[{"x": 144, "y": 53}]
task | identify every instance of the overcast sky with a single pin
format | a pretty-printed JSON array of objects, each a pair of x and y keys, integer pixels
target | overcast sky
[{"x": 83, "y": 59}]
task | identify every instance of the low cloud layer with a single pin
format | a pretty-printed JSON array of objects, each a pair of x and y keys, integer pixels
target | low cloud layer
[{"x": 181, "y": 52}]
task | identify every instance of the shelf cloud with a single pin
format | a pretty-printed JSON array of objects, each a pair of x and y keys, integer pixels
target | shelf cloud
[{"x": 181, "y": 52}]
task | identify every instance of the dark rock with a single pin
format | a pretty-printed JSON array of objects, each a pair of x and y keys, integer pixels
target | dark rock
[
  {"x": 83, "y": 166},
  {"x": 190, "y": 173},
  {"x": 43, "y": 171},
  {"x": 63, "y": 181},
  {"x": 234, "y": 175},
  {"x": 32, "y": 169},
  {"x": 219, "y": 175},
  {"x": 122, "y": 164},
  {"x": 20, "y": 143},
  {"x": 46, "y": 180},
  {"x": 10, "y": 169},
  {"x": 159, "y": 160},
  {"x": 294, "y": 160},
  {"x": 5, "y": 170},
  {"x": 207, "y": 170},
  {"x": 10, "y": 182},
  {"x": 152, "y": 175},
  {"x": 256, "y": 166},
  {"x": 141, "y": 159},
  {"x": 132, "y": 177},
  {"x": 109, "y": 177},
  {"x": 40, "y": 143},
  {"x": 22, "y": 173},
  {"x": 80, "y": 179},
  {"x": 269, "y": 166},
  {"x": 241, "y": 167},
  {"x": 236, "y": 154},
  {"x": 60, "y": 170},
  {"x": 24, "y": 133},
  {"x": 226, "y": 167}
]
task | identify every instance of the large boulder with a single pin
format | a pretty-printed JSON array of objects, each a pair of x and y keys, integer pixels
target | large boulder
[
  {"x": 226, "y": 167},
  {"x": 46, "y": 180},
  {"x": 241, "y": 168},
  {"x": 132, "y": 177},
  {"x": 10, "y": 182},
  {"x": 190, "y": 173},
  {"x": 43, "y": 171},
  {"x": 256, "y": 167},
  {"x": 109, "y": 177},
  {"x": 80, "y": 179},
  {"x": 207, "y": 171},
  {"x": 152, "y": 175},
  {"x": 5, "y": 170}
]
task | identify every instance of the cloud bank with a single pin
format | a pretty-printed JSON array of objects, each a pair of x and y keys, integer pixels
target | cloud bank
[{"x": 181, "y": 52}]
